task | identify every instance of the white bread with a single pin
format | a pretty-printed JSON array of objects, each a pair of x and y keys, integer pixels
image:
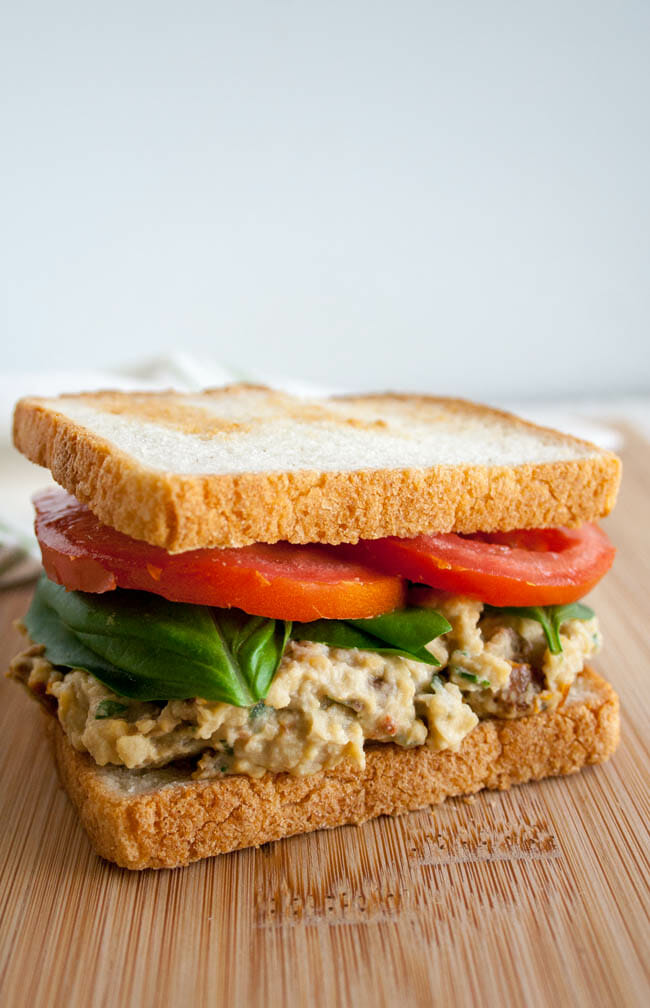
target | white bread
[
  {"x": 160, "y": 819},
  {"x": 245, "y": 464}
]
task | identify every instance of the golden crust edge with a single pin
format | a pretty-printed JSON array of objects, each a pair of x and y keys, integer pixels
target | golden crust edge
[
  {"x": 178, "y": 824},
  {"x": 188, "y": 512}
]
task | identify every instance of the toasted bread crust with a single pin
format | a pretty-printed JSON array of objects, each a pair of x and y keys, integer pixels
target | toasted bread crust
[
  {"x": 182, "y": 512},
  {"x": 180, "y": 822}
]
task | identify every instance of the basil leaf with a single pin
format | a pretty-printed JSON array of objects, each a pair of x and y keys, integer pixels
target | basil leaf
[
  {"x": 336, "y": 633},
  {"x": 147, "y": 648},
  {"x": 109, "y": 709},
  {"x": 63, "y": 648},
  {"x": 407, "y": 629},
  {"x": 540, "y": 614},
  {"x": 563, "y": 613},
  {"x": 551, "y": 618},
  {"x": 256, "y": 643},
  {"x": 404, "y": 632}
]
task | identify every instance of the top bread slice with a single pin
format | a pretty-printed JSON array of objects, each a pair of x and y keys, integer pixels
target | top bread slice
[{"x": 243, "y": 464}]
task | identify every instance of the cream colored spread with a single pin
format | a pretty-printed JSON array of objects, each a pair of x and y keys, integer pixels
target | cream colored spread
[
  {"x": 496, "y": 648},
  {"x": 325, "y": 703}
]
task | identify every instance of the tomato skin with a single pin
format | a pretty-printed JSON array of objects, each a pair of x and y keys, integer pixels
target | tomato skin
[
  {"x": 302, "y": 583},
  {"x": 521, "y": 568},
  {"x": 280, "y": 581}
]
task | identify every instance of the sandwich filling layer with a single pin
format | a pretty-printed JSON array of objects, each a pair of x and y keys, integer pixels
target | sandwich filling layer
[{"x": 326, "y": 702}]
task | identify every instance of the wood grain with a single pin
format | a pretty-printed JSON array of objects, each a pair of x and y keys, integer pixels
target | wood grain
[{"x": 534, "y": 897}]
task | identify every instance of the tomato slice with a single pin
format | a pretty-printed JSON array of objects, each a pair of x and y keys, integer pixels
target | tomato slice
[
  {"x": 280, "y": 580},
  {"x": 526, "y": 567}
]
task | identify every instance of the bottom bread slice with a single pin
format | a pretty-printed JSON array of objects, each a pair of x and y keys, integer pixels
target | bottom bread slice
[{"x": 164, "y": 819}]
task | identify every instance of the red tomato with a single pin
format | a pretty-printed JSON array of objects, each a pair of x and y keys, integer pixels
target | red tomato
[
  {"x": 280, "y": 580},
  {"x": 528, "y": 567}
]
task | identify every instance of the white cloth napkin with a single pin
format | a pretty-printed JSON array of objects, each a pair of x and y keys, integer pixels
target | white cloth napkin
[{"x": 19, "y": 479}]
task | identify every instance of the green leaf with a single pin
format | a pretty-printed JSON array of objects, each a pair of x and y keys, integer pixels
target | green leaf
[
  {"x": 573, "y": 610},
  {"x": 256, "y": 644},
  {"x": 563, "y": 613},
  {"x": 551, "y": 618},
  {"x": 336, "y": 633},
  {"x": 404, "y": 632},
  {"x": 109, "y": 709},
  {"x": 409, "y": 630},
  {"x": 63, "y": 648},
  {"x": 541, "y": 615},
  {"x": 144, "y": 647}
]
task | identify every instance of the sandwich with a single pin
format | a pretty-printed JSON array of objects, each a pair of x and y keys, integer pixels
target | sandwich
[{"x": 261, "y": 615}]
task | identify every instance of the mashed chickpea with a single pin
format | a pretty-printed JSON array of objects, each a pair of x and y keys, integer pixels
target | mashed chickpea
[{"x": 325, "y": 703}]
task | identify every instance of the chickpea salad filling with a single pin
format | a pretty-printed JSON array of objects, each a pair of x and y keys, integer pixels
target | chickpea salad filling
[{"x": 289, "y": 698}]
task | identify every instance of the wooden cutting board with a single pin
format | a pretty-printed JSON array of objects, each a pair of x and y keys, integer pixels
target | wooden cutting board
[{"x": 534, "y": 897}]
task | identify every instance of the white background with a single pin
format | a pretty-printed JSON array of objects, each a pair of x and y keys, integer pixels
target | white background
[{"x": 446, "y": 196}]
